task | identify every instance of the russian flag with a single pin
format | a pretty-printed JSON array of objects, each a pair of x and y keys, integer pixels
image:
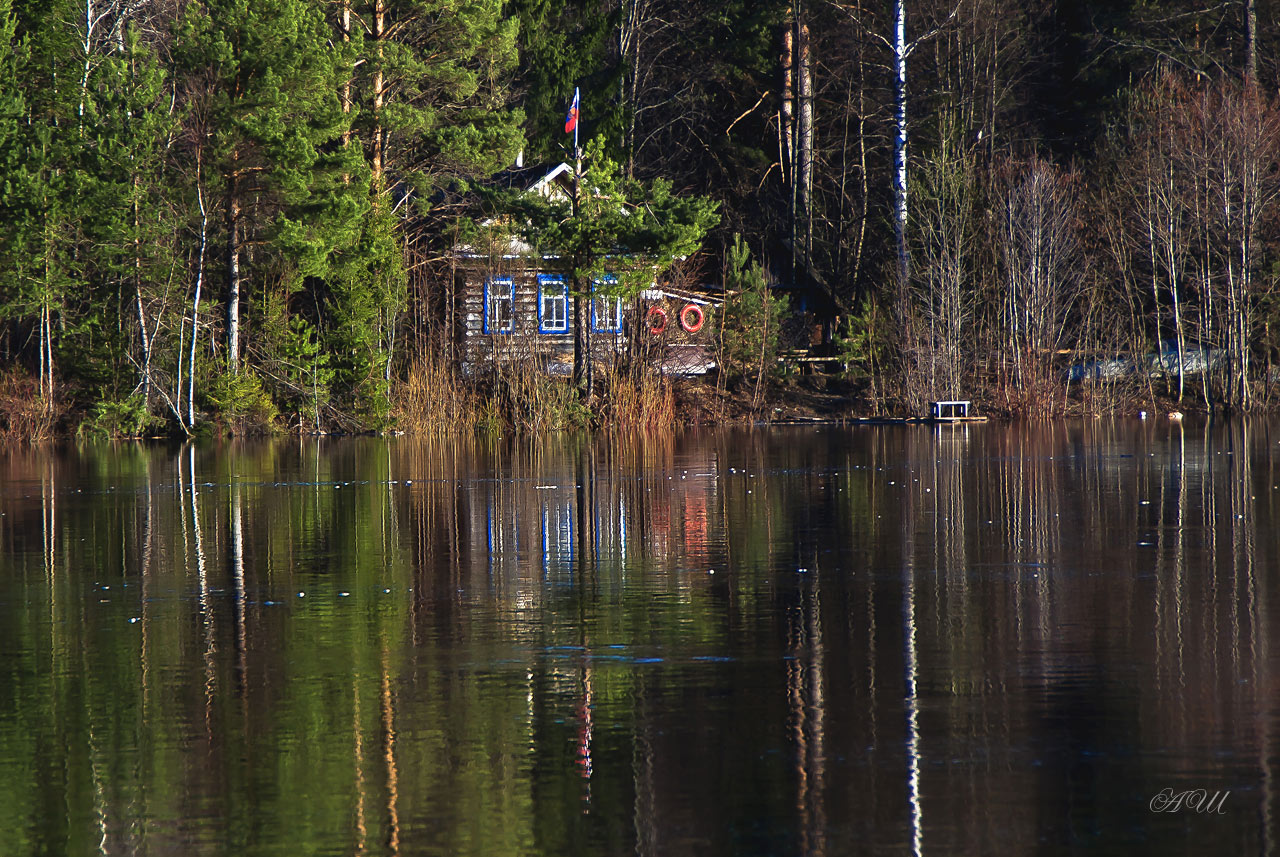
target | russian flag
[{"x": 571, "y": 118}]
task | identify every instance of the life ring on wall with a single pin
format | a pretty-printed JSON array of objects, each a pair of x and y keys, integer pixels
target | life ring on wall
[
  {"x": 657, "y": 320},
  {"x": 692, "y": 318}
]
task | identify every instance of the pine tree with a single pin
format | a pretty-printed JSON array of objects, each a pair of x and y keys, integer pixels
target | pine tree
[
  {"x": 366, "y": 295},
  {"x": 431, "y": 96},
  {"x": 13, "y": 213},
  {"x": 430, "y": 106},
  {"x": 563, "y": 44},
  {"x": 619, "y": 235},
  {"x": 267, "y": 77}
]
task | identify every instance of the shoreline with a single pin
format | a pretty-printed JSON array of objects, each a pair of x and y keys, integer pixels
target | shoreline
[{"x": 688, "y": 403}]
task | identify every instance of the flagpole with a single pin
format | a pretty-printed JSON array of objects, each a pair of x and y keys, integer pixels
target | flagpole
[{"x": 582, "y": 367}]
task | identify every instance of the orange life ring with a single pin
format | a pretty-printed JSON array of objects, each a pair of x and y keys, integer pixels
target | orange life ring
[
  {"x": 657, "y": 319},
  {"x": 694, "y": 325}
]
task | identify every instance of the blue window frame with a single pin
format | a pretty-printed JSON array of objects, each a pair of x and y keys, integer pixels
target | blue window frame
[
  {"x": 499, "y": 305},
  {"x": 553, "y": 304},
  {"x": 606, "y": 311}
]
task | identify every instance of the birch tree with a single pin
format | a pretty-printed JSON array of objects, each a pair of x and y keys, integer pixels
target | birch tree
[
  {"x": 1040, "y": 270},
  {"x": 1232, "y": 144},
  {"x": 1157, "y": 190},
  {"x": 943, "y": 291}
]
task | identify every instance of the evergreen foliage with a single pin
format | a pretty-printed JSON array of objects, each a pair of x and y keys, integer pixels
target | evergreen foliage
[
  {"x": 750, "y": 323},
  {"x": 623, "y": 227},
  {"x": 191, "y": 191},
  {"x": 563, "y": 44},
  {"x": 619, "y": 235}
]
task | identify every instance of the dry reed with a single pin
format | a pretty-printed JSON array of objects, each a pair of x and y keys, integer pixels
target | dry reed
[
  {"x": 433, "y": 400},
  {"x": 641, "y": 401}
]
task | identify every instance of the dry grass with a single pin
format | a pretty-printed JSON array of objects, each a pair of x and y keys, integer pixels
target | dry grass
[
  {"x": 433, "y": 400},
  {"x": 640, "y": 401},
  {"x": 527, "y": 399},
  {"x": 516, "y": 395},
  {"x": 24, "y": 413}
]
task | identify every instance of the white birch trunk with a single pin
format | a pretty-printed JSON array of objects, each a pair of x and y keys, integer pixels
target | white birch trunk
[
  {"x": 195, "y": 306},
  {"x": 900, "y": 49},
  {"x": 787, "y": 117},
  {"x": 233, "y": 282}
]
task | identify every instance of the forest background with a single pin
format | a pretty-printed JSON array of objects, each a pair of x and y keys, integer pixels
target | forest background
[{"x": 238, "y": 214}]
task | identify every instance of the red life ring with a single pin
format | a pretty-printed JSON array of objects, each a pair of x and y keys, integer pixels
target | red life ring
[
  {"x": 695, "y": 324},
  {"x": 657, "y": 319}
]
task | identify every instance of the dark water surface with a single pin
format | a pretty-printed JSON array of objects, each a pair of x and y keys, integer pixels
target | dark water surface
[{"x": 957, "y": 640}]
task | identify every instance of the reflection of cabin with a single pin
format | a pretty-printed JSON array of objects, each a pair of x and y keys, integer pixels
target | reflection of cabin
[
  {"x": 525, "y": 530},
  {"x": 511, "y": 304}
]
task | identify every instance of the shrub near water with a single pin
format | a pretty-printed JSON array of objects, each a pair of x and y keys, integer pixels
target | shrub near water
[
  {"x": 24, "y": 413},
  {"x": 128, "y": 418},
  {"x": 749, "y": 325},
  {"x": 242, "y": 404}
]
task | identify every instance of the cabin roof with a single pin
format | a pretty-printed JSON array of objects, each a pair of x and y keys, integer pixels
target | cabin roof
[{"x": 549, "y": 180}]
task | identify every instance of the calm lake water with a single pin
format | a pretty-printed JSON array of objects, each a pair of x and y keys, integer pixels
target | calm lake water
[{"x": 976, "y": 639}]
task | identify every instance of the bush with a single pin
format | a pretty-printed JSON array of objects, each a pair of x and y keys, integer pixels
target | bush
[
  {"x": 125, "y": 418},
  {"x": 24, "y": 413},
  {"x": 240, "y": 401},
  {"x": 749, "y": 324}
]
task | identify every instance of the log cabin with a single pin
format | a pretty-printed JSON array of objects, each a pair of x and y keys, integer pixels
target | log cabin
[{"x": 510, "y": 303}]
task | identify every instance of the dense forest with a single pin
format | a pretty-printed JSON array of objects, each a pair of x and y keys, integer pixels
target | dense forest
[{"x": 235, "y": 213}]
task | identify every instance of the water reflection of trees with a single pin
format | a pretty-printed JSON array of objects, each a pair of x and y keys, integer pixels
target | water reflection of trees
[
  {"x": 942, "y": 639},
  {"x": 1025, "y": 635}
]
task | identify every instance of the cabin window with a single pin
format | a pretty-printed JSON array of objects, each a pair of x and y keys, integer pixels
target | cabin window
[
  {"x": 553, "y": 304},
  {"x": 606, "y": 311},
  {"x": 499, "y": 305}
]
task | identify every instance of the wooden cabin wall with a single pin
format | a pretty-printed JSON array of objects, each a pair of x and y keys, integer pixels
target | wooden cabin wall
[
  {"x": 675, "y": 349},
  {"x": 476, "y": 348},
  {"x": 524, "y": 342}
]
